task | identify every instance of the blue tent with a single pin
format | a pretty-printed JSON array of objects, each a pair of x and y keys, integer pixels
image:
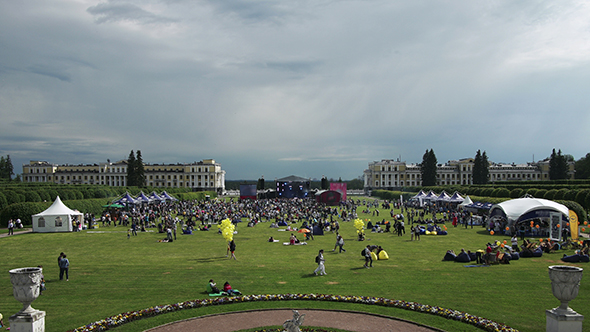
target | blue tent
[
  {"x": 155, "y": 197},
  {"x": 126, "y": 199},
  {"x": 456, "y": 198},
  {"x": 142, "y": 198},
  {"x": 167, "y": 197}
]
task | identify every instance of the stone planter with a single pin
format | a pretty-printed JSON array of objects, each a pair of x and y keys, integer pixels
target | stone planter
[
  {"x": 26, "y": 282},
  {"x": 565, "y": 283},
  {"x": 25, "y": 287}
]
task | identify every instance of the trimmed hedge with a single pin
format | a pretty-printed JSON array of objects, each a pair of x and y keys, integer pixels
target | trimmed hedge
[
  {"x": 577, "y": 208},
  {"x": 24, "y": 211}
]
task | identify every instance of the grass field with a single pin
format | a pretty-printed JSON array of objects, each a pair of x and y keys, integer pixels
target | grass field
[{"x": 110, "y": 274}]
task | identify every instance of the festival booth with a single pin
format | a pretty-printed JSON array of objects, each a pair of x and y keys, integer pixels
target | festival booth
[
  {"x": 466, "y": 201},
  {"x": 420, "y": 194},
  {"x": 57, "y": 218},
  {"x": 142, "y": 198},
  {"x": 167, "y": 197},
  {"x": 540, "y": 217},
  {"x": 125, "y": 200},
  {"x": 456, "y": 198},
  {"x": 154, "y": 197}
]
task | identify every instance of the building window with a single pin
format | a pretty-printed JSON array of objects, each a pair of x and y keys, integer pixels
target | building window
[
  {"x": 58, "y": 222},
  {"x": 41, "y": 222}
]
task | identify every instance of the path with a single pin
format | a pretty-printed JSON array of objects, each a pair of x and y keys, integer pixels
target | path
[
  {"x": 27, "y": 230},
  {"x": 345, "y": 320}
]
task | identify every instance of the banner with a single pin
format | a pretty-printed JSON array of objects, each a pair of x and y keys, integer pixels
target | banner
[
  {"x": 574, "y": 225},
  {"x": 339, "y": 187},
  {"x": 554, "y": 229}
]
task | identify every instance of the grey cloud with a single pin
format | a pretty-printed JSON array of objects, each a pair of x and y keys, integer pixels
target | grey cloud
[
  {"x": 293, "y": 66},
  {"x": 50, "y": 72},
  {"x": 114, "y": 12},
  {"x": 253, "y": 11}
]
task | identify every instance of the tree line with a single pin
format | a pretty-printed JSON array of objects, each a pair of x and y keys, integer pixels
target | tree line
[{"x": 6, "y": 168}]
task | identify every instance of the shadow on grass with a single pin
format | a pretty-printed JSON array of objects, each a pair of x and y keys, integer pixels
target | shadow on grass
[{"x": 207, "y": 259}]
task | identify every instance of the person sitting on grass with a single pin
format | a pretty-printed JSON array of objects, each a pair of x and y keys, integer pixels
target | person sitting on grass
[
  {"x": 227, "y": 288},
  {"x": 212, "y": 289}
]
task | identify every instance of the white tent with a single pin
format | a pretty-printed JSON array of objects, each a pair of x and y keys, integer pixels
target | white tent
[
  {"x": 521, "y": 209},
  {"x": 57, "y": 218},
  {"x": 467, "y": 201}
]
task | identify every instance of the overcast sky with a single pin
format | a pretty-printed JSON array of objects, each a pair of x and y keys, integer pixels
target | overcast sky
[{"x": 308, "y": 88}]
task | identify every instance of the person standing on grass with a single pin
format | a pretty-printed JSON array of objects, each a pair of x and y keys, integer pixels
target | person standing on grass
[
  {"x": 10, "y": 227},
  {"x": 321, "y": 269},
  {"x": 64, "y": 266},
  {"x": 368, "y": 258},
  {"x": 340, "y": 242},
  {"x": 232, "y": 248}
]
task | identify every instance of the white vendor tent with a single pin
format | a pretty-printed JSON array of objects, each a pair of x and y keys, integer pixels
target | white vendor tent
[
  {"x": 522, "y": 209},
  {"x": 57, "y": 218},
  {"x": 466, "y": 202}
]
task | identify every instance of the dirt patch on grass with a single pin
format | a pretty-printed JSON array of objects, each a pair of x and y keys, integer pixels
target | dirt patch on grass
[
  {"x": 281, "y": 282},
  {"x": 261, "y": 265},
  {"x": 332, "y": 283},
  {"x": 166, "y": 273}
]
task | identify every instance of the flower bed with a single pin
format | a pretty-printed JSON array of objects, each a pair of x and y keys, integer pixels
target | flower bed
[{"x": 126, "y": 317}]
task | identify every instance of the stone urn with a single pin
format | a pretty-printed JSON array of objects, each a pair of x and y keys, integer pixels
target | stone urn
[
  {"x": 26, "y": 282},
  {"x": 565, "y": 283}
]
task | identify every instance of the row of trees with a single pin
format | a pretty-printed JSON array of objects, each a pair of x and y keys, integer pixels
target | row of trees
[
  {"x": 582, "y": 167},
  {"x": 135, "y": 170},
  {"x": 428, "y": 168},
  {"x": 558, "y": 168},
  {"x": 481, "y": 171},
  {"x": 6, "y": 168}
]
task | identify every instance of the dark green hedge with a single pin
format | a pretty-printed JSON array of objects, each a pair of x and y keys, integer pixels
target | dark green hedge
[{"x": 25, "y": 210}]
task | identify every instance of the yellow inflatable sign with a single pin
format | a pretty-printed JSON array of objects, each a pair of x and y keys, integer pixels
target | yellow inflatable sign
[{"x": 574, "y": 225}]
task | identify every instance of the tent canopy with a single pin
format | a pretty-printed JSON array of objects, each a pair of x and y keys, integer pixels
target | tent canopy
[
  {"x": 431, "y": 196},
  {"x": 155, "y": 197},
  {"x": 142, "y": 198},
  {"x": 520, "y": 209},
  {"x": 443, "y": 196},
  {"x": 420, "y": 194},
  {"x": 56, "y": 218},
  {"x": 466, "y": 202},
  {"x": 167, "y": 197},
  {"x": 126, "y": 199},
  {"x": 456, "y": 198}
]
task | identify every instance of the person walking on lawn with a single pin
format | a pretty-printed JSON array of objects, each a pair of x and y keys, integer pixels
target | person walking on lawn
[{"x": 321, "y": 269}]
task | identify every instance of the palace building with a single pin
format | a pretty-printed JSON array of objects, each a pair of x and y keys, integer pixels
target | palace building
[
  {"x": 389, "y": 174},
  {"x": 205, "y": 175}
]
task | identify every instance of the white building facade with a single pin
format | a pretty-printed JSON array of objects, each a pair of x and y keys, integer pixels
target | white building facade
[
  {"x": 389, "y": 174},
  {"x": 205, "y": 175}
]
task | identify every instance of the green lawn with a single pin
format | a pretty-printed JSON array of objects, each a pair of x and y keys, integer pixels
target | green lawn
[{"x": 110, "y": 274}]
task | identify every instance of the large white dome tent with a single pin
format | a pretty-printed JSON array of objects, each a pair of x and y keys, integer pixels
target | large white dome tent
[{"x": 515, "y": 214}]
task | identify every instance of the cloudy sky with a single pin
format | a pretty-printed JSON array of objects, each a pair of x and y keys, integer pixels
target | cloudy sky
[{"x": 308, "y": 87}]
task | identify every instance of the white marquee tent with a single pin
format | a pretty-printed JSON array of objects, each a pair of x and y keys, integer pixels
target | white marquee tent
[
  {"x": 522, "y": 209},
  {"x": 57, "y": 218}
]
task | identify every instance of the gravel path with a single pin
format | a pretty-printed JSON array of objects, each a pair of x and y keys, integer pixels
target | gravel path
[{"x": 346, "y": 320}]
